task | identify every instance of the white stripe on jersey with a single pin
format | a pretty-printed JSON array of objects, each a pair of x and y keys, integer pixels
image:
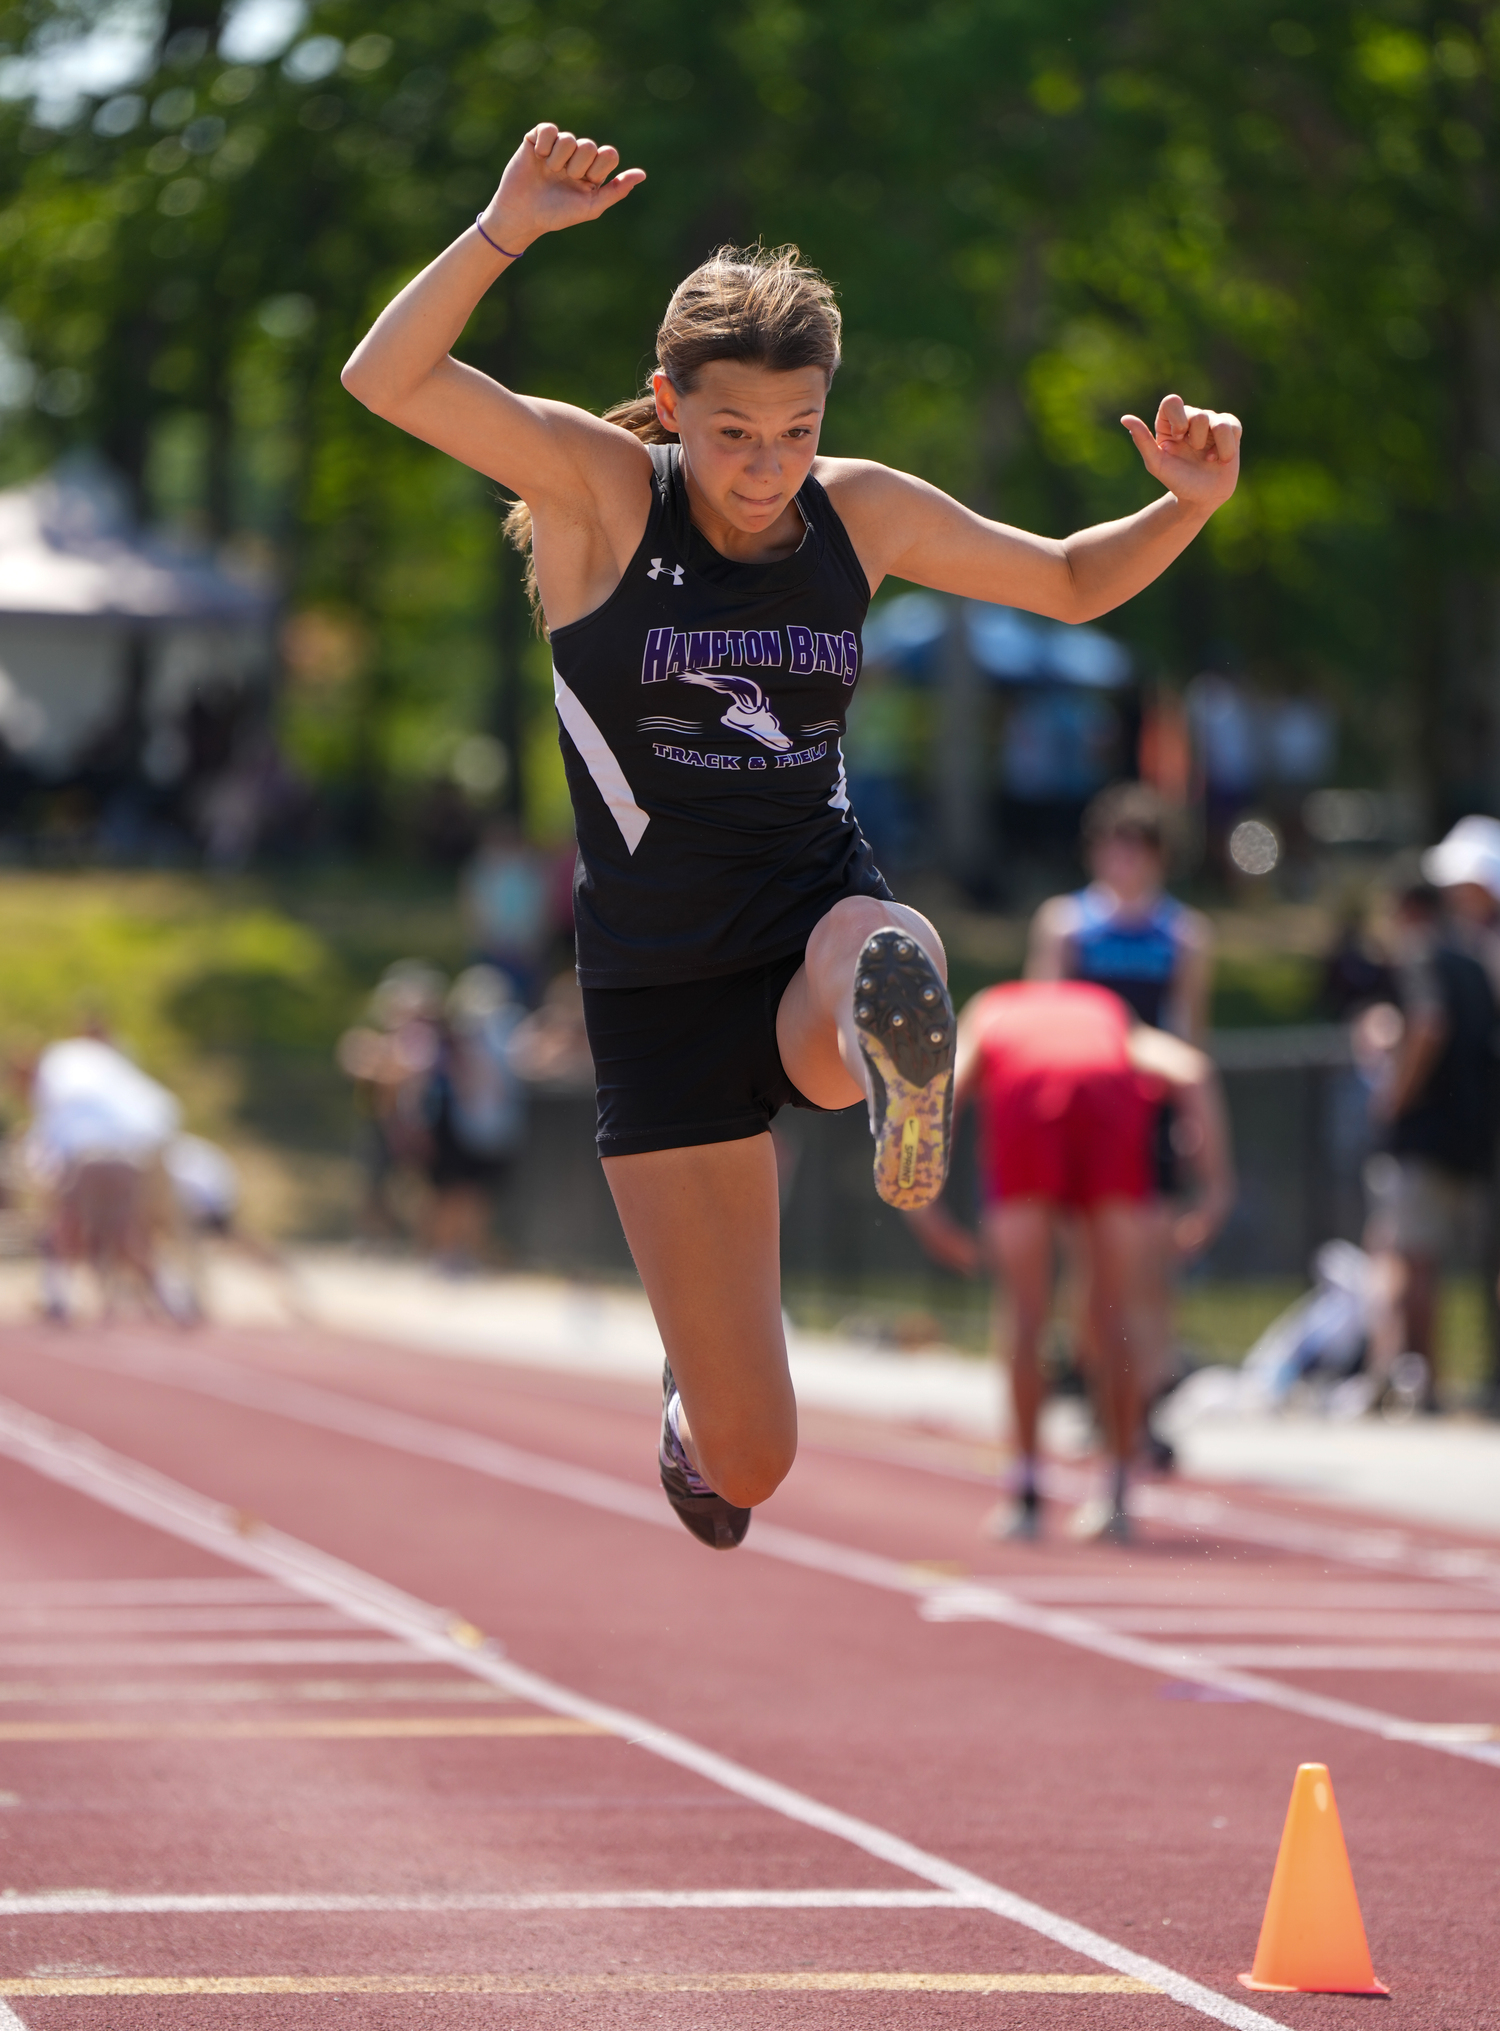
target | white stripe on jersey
[
  {"x": 599, "y": 760},
  {"x": 840, "y": 798}
]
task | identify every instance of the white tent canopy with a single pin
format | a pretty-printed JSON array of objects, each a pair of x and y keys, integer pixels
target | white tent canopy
[{"x": 79, "y": 589}]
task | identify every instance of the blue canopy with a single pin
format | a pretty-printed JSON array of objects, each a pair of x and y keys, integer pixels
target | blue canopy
[{"x": 1010, "y": 647}]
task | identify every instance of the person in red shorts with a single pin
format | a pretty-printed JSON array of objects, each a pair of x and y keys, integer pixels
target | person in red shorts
[{"x": 1066, "y": 1081}]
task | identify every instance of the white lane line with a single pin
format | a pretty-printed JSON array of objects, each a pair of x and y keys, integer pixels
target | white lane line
[
  {"x": 175, "y": 1692},
  {"x": 1348, "y": 1657},
  {"x": 740, "y": 1982},
  {"x": 1197, "y": 1511},
  {"x": 101, "y": 1656},
  {"x": 81, "y": 1463},
  {"x": 1331, "y": 1626},
  {"x": 98, "y": 1623},
  {"x": 95, "y": 1903},
  {"x": 938, "y": 1601},
  {"x": 142, "y": 1594},
  {"x": 1231, "y": 1592}
]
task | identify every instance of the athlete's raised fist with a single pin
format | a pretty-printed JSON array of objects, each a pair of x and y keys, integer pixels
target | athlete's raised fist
[
  {"x": 555, "y": 179},
  {"x": 1195, "y": 453}
]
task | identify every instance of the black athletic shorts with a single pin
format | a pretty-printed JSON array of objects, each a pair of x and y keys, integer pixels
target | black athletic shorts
[{"x": 690, "y": 1062}]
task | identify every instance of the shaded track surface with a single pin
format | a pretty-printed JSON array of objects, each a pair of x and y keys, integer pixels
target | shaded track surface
[{"x": 345, "y": 1684}]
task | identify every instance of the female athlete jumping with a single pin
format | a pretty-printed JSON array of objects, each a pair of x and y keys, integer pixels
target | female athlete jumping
[{"x": 704, "y": 575}]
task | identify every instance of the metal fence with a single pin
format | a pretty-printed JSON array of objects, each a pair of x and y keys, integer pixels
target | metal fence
[{"x": 1296, "y": 1105}]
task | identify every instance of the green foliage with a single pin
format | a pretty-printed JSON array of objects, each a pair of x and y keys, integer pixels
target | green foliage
[
  {"x": 1255, "y": 990},
  {"x": 233, "y": 993},
  {"x": 1037, "y": 215}
]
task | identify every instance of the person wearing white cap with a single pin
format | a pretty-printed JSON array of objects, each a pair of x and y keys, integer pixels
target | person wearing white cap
[
  {"x": 1439, "y": 1107},
  {"x": 1466, "y": 867}
]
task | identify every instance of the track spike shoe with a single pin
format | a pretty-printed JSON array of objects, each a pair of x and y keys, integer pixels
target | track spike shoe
[
  {"x": 708, "y": 1516},
  {"x": 906, "y": 1034}
]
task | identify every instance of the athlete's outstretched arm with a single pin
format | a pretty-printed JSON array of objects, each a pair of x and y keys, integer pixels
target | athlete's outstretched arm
[
  {"x": 905, "y": 528},
  {"x": 403, "y": 368}
]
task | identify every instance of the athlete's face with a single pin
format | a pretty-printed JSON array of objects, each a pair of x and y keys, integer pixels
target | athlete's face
[
  {"x": 749, "y": 437},
  {"x": 1129, "y": 865}
]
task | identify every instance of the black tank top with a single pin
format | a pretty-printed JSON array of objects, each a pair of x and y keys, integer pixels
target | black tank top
[{"x": 702, "y": 708}]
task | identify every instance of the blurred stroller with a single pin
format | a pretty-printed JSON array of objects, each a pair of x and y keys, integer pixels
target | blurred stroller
[{"x": 1334, "y": 1350}]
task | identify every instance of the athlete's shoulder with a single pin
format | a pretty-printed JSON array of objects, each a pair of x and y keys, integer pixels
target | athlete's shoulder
[
  {"x": 858, "y": 482},
  {"x": 1054, "y": 927},
  {"x": 1190, "y": 927},
  {"x": 598, "y": 450}
]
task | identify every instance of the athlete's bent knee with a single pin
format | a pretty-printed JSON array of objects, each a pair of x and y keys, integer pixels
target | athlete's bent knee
[{"x": 746, "y": 1475}]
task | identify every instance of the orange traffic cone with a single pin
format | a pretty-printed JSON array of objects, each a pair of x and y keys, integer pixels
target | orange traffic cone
[{"x": 1312, "y": 1937}]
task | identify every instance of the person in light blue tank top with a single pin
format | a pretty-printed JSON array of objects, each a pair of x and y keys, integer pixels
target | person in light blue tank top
[
  {"x": 1137, "y": 957},
  {"x": 1124, "y": 932}
]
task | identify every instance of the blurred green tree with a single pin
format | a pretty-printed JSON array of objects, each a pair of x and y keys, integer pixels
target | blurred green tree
[{"x": 1037, "y": 214}]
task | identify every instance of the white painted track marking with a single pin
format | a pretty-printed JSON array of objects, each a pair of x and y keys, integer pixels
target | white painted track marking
[
  {"x": 1351, "y": 1657},
  {"x": 81, "y": 1463},
  {"x": 937, "y": 1600},
  {"x": 1379, "y": 1547},
  {"x": 70, "y": 1903},
  {"x": 98, "y": 1623},
  {"x": 1329, "y": 1625},
  {"x": 176, "y": 1692},
  {"x": 58, "y": 1594},
  {"x": 83, "y": 1656}
]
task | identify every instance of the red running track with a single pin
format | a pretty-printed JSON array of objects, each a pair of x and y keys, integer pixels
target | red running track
[{"x": 531, "y": 1755}]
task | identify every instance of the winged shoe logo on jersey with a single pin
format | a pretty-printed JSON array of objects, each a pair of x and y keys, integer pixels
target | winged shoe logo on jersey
[{"x": 747, "y": 712}]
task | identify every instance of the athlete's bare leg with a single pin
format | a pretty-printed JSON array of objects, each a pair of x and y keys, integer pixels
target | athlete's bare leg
[
  {"x": 815, "y": 1030},
  {"x": 1117, "y": 1234},
  {"x": 704, "y": 1227},
  {"x": 1154, "y": 1276},
  {"x": 1020, "y": 1235}
]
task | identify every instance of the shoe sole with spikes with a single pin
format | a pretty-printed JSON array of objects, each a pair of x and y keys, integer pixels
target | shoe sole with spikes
[
  {"x": 712, "y": 1520},
  {"x": 906, "y": 1034}
]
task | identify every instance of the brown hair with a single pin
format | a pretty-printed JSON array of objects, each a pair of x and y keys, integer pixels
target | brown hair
[
  {"x": 1127, "y": 811},
  {"x": 758, "y": 305}
]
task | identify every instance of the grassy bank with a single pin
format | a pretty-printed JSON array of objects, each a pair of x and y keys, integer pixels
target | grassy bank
[{"x": 233, "y": 992}]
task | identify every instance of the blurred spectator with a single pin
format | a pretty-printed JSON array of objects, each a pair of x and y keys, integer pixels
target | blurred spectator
[
  {"x": 205, "y": 1182},
  {"x": 99, "y": 1127},
  {"x": 507, "y": 900},
  {"x": 551, "y": 1046},
  {"x": 1466, "y": 867},
  {"x": 476, "y": 1114},
  {"x": 1356, "y": 975},
  {"x": 390, "y": 1059},
  {"x": 1124, "y": 932},
  {"x": 445, "y": 822},
  {"x": 257, "y": 803},
  {"x": 1065, "y": 1082},
  {"x": 206, "y": 1188},
  {"x": 1438, "y": 1105}
]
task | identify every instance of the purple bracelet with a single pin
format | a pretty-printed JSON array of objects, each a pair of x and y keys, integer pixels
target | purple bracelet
[{"x": 478, "y": 221}]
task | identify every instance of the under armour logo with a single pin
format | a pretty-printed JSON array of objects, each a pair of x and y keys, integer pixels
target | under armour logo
[{"x": 660, "y": 570}]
